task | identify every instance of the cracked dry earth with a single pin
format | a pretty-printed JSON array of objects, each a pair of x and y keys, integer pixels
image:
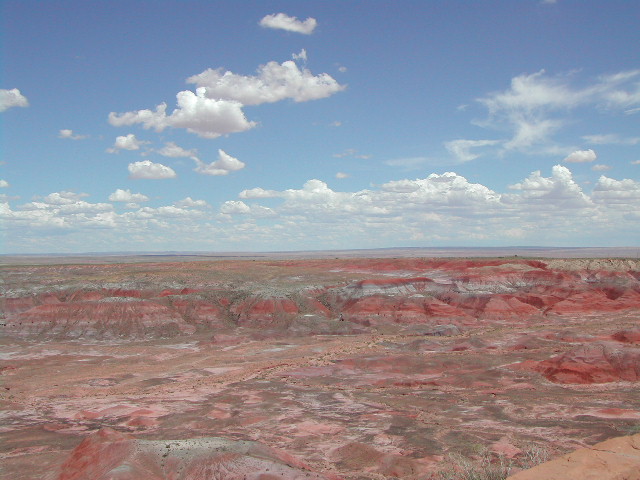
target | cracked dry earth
[{"x": 345, "y": 368}]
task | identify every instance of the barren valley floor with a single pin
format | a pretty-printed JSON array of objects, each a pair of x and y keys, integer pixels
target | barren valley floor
[{"x": 313, "y": 368}]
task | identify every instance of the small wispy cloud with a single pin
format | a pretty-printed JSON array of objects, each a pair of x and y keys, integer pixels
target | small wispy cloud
[
  {"x": 172, "y": 150},
  {"x": 611, "y": 139},
  {"x": 127, "y": 142},
  {"x": 282, "y": 21},
  {"x": 601, "y": 167},
  {"x": 149, "y": 170},
  {"x": 352, "y": 153},
  {"x": 408, "y": 163},
  {"x": 461, "y": 149},
  {"x": 68, "y": 134},
  {"x": 223, "y": 166}
]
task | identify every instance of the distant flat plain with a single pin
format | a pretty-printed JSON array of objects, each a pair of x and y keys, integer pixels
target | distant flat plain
[{"x": 427, "y": 252}]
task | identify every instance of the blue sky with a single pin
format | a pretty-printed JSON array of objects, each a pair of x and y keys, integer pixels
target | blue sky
[{"x": 237, "y": 125}]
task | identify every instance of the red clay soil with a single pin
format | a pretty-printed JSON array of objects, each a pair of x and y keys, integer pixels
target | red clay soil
[{"x": 348, "y": 368}]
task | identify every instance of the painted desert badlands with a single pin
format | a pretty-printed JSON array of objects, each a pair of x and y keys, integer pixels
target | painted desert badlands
[{"x": 353, "y": 368}]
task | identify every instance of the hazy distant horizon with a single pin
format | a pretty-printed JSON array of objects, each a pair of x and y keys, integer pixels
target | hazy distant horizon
[{"x": 391, "y": 252}]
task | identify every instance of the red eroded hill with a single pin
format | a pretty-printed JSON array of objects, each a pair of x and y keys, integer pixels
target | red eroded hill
[
  {"x": 368, "y": 292},
  {"x": 119, "y": 317},
  {"x": 109, "y": 455},
  {"x": 599, "y": 362},
  {"x": 256, "y": 311}
]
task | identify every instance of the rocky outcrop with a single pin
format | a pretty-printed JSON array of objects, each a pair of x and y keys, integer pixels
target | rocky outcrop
[
  {"x": 614, "y": 459},
  {"x": 598, "y": 362},
  {"x": 110, "y": 455}
]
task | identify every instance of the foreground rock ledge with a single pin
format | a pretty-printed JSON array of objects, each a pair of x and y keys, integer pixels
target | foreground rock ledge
[{"x": 614, "y": 459}]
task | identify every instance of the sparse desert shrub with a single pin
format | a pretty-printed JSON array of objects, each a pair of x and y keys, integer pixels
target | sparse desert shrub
[
  {"x": 490, "y": 465},
  {"x": 533, "y": 455}
]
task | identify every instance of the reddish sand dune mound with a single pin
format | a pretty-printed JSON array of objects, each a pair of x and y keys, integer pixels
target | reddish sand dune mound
[
  {"x": 85, "y": 296},
  {"x": 261, "y": 311},
  {"x": 362, "y": 459},
  {"x": 631, "y": 335},
  {"x": 109, "y": 455},
  {"x": 118, "y": 317},
  {"x": 378, "y": 310},
  {"x": 200, "y": 313},
  {"x": 12, "y": 305},
  {"x": 614, "y": 459},
  {"x": 501, "y": 307},
  {"x": 593, "y": 363},
  {"x": 184, "y": 291},
  {"x": 595, "y": 301}
]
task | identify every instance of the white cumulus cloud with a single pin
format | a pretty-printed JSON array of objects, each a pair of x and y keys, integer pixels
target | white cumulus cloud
[
  {"x": 12, "y": 98},
  {"x": 64, "y": 198},
  {"x": 149, "y": 170},
  {"x": 231, "y": 207},
  {"x": 172, "y": 150},
  {"x": 126, "y": 142},
  {"x": 215, "y": 108},
  {"x": 191, "y": 203},
  {"x": 206, "y": 117},
  {"x": 273, "y": 82},
  {"x": 121, "y": 195},
  {"x": 283, "y": 21},
  {"x": 223, "y": 166},
  {"x": 581, "y": 156},
  {"x": 259, "y": 192},
  {"x": 609, "y": 190},
  {"x": 557, "y": 191},
  {"x": 4, "y": 184},
  {"x": 440, "y": 208}
]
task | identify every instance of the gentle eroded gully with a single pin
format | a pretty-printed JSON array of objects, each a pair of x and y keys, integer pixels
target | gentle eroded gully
[{"x": 410, "y": 368}]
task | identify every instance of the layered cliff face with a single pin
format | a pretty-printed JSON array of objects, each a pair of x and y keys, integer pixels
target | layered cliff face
[{"x": 466, "y": 293}]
